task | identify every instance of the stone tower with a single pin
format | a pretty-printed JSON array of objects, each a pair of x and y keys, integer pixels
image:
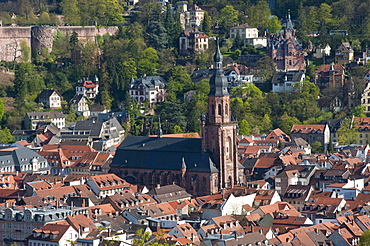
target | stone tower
[{"x": 218, "y": 130}]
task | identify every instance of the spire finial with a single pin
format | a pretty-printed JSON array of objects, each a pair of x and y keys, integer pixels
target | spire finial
[
  {"x": 160, "y": 133},
  {"x": 218, "y": 56},
  {"x": 288, "y": 14},
  {"x": 183, "y": 164}
]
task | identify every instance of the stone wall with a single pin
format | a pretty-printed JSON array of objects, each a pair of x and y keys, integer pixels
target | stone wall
[
  {"x": 10, "y": 38},
  {"x": 38, "y": 37}
]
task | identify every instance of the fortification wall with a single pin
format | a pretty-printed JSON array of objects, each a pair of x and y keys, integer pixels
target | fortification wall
[
  {"x": 38, "y": 37},
  {"x": 10, "y": 39}
]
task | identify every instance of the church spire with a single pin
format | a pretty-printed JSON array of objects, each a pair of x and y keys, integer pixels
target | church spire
[{"x": 218, "y": 82}]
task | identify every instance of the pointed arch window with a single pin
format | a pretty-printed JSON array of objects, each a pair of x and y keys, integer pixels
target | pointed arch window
[{"x": 219, "y": 109}]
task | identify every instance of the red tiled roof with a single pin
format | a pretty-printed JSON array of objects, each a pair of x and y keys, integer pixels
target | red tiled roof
[{"x": 307, "y": 128}]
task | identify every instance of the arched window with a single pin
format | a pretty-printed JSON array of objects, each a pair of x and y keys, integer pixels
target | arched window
[
  {"x": 226, "y": 109},
  {"x": 229, "y": 182},
  {"x": 219, "y": 109},
  {"x": 213, "y": 109}
]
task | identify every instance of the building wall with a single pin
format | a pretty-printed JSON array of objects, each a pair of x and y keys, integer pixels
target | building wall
[
  {"x": 233, "y": 205},
  {"x": 244, "y": 32},
  {"x": 150, "y": 178}
]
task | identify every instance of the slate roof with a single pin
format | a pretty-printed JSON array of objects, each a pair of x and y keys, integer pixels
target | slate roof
[
  {"x": 20, "y": 157},
  {"x": 294, "y": 76},
  {"x": 88, "y": 125},
  {"x": 149, "y": 81},
  {"x": 47, "y": 93},
  {"x": 163, "y": 154},
  {"x": 77, "y": 98},
  {"x": 44, "y": 115}
]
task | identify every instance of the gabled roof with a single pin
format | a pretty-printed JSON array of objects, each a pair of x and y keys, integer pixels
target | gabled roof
[
  {"x": 347, "y": 46},
  {"x": 109, "y": 181},
  {"x": 80, "y": 221},
  {"x": 323, "y": 70},
  {"x": 265, "y": 162},
  {"x": 278, "y": 134},
  {"x": 46, "y": 93},
  {"x": 149, "y": 82},
  {"x": 307, "y": 128},
  {"x": 48, "y": 229},
  {"x": 77, "y": 98},
  {"x": 291, "y": 76},
  {"x": 57, "y": 192},
  {"x": 40, "y": 185}
]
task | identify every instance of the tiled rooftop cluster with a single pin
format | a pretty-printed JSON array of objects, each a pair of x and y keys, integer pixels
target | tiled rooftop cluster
[{"x": 289, "y": 196}]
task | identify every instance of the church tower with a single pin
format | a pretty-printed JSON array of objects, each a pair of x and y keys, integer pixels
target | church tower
[
  {"x": 218, "y": 130},
  {"x": 289, "y": 31}
]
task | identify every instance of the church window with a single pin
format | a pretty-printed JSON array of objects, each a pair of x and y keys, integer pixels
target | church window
[
  {"x": 219, "y": 109},
  {"x": 226, "y": 108},
  {"x": 213, "y": 109},
  {"x": 229, "y": 181}
]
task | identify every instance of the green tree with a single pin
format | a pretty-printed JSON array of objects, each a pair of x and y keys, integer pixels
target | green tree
[
  {"x": 173, "y": 28},
  {"x": 244, "y": 128},
  {"x": 148, "y": 62},
  {"x": 112, "y": 14},
  {"x": 206, "y": 24},
  {"x": 2, "y": 108},
  {"x": 143, "y": 238},
  {"x": 71, "y": 12},
  {"x": 346, "y": 133},
  {"x": 286, "y": 122},
  {"x": 316, "y": 147},
  {"x": 5, "y": 18},
  {"x": 238, "y": 42},
  {"x": 6, "y": 136},
  {"x": 177, "y": 129},
  {"x": 157, "y": 35},
  {"x": 365, "y": 238},
  {"x": 89, "y": 59},
  {"x": 247, "y": 90},
  {"x": 265, "y": 124},
  {"x": 228, "y": 18},
  {"x": 172, "y": 113},
  {"x": 179, "y": 82},
  {"x": 259, "y": 16},
  {"x": 27, "y": 81},
  {"x": 25, "y": 50},
  {"x": 330, "y": 146},
  {"x": 358, "y": 111},
  {"x": 267, "y": 68},
  {"x": 44, "y": 18}
]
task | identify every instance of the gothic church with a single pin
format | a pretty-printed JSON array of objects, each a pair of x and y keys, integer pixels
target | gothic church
[
  {"x": 201, "y": 166},
  {"x": 285, "y": 50}
]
